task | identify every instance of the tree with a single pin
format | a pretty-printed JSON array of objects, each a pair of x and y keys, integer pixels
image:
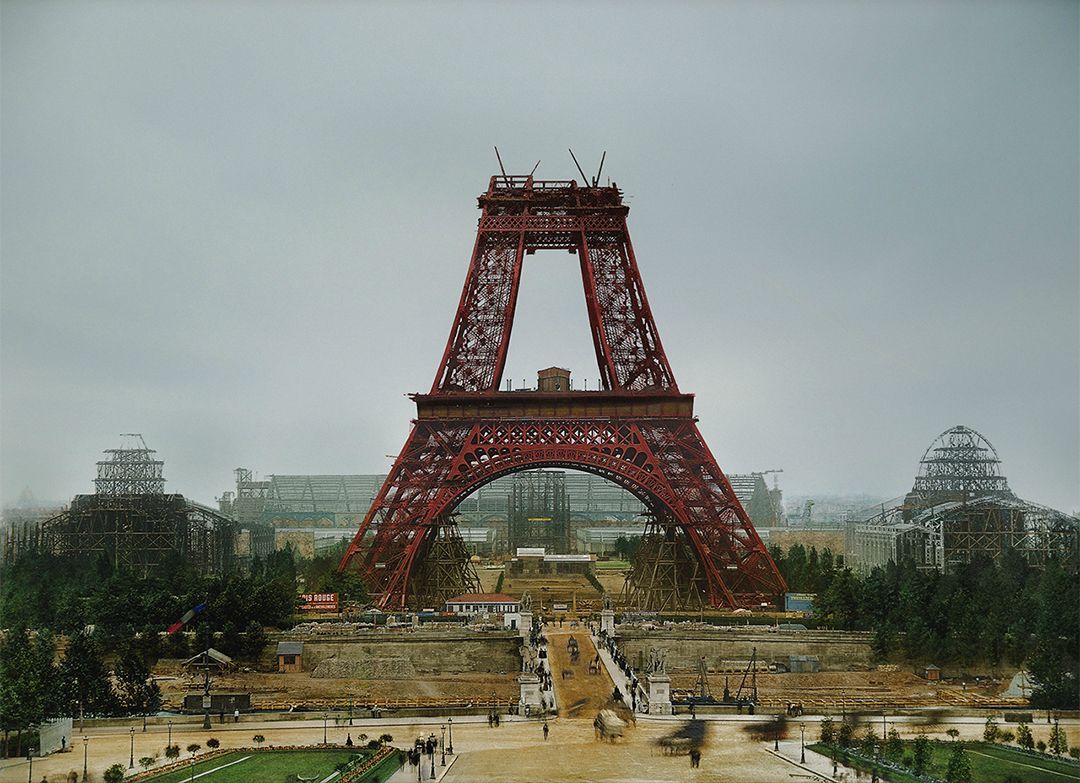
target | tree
[
  {"x": 920, "y": 753},
  {"x": 258, "y": 739},
  {"x": 172, "y": 752},
  {"x": 138, "y": 693},
  {"x": 84, "y": 678},
  {"x": 385, "y": 738},
  {"x": 194, "y": 748},
  {"x": 1040, "y": 746},
  {"x": 991, "y": 731},
  {"x": 27, "y": 683},
  {"x": 146, "y": 762},
  {"x": 1059, "y": 743},
  {"x": 828, "y": 731},
  {"x": 894, "y": 746},
  {"x": 844, "y": 735},
  {"x": 869, "y": 742},
  {"x": 1054, "y": 662},
  {"x": 213, "y": 743},
  {"x": 1023, "y": 736},
  {"x": 953, "y": 734},
  {"x": 959, "y": 769},
  {"x": 114, "y": 774}
]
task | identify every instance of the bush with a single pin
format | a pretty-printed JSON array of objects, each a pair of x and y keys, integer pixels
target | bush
[
  {"x": 844, "y": 735},
  {"x": 146, "y": 762},
  {"x": 1023, "y": 737},
  {"x": 384, "y": 738},
  {"x": 374, "y": 745},
  {"x": 1075, "y": 752},
  {"x": 172, "y": 752},
  {"x": 828, "y": 731},
  {"x": 258, "y": 739},
  {"x": 114, "y": 774},
  {"x": 991, "y": 731},
  {"x": 213, "y": 743},
  {"x": 194, "y": 748},
  {"x": 1040, "y": 746}
]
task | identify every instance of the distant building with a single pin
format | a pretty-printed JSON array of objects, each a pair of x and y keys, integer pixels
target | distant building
[
  {"x": 960, "y": 507},
  {"x": 483, "y": 603}
]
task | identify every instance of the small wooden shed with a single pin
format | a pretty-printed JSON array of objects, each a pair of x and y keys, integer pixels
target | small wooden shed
[{"x": 290, "y": 656}]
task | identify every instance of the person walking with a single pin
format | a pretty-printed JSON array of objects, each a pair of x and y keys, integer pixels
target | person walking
[
  {"x": 546, "y": 730},
  {"x": 695, "y": 758}
]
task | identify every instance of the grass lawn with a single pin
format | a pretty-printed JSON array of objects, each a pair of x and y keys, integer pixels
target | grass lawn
[
  {"x": 993, "y": 763},
  {"x": 989, "y": 764},
  {"x": 613, "y": 564},
  {"x": 269, "y": 766}
]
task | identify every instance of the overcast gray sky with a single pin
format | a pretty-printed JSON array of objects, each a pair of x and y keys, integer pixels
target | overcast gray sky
[{"x": 241, "y": 229}]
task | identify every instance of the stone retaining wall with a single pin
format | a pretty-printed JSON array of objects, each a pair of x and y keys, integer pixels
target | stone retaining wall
[{"x": 728, "y": 647}]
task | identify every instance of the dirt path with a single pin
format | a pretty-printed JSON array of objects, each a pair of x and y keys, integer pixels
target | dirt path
[{"x": 580, "y": 695}]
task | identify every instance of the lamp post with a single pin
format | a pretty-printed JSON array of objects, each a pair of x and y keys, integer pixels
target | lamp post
[
  {"x": 450, "y": 731},
  {"x": 30, "y": 758},
  {"x": 131, "y": 759},
  {"x": 884, "y": 727},
  {"x": 776, "y": 735},
  {"x": 325, "y": 717},
  {"x": 431, "y": 744},
  {"x": 442, "y": 747},
  {"x": 85, "y": 742},
  {"x": 170, "y": 734},
  {"x": 802, "y": 742}
]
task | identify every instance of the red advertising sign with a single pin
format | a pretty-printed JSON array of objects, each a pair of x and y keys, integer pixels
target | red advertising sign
[{"x": 319, "y": 602}]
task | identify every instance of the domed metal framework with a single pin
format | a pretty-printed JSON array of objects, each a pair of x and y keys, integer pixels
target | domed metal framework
[{"x": 959, "y": 464}]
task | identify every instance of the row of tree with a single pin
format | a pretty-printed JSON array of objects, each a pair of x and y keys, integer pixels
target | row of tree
[
  {"x": 34, "y": 688},
  {"x": 979, "y": 612}
]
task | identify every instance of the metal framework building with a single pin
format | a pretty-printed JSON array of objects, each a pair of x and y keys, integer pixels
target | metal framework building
[
  {"x": 960, "y": 507},
  {"x": 136, "y": 525},
  {"x": 538, "y": 513}
]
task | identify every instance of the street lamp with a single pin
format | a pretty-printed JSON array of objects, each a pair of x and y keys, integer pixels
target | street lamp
[
  {"x": 324, "y": 719},
  {"x": 802, "y": 742},
  {"x": 776, "y": 735},
  {"x": 442, "y": 746},
  {"x": 30, "y": 758},
  {"x": 431, "y": 744},
  {"x": 85, "y": 742},
  {"x": 450, "y": 730},
  {"x": 170, "y": 734},
  {"x": 131, "y": 759}
]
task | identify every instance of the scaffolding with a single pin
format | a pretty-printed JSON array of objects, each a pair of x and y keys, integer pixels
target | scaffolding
[
  {"x": 960, "y": 507},
  {"x": 445, "y": 571},
  {"x": 538, "y": 512},
  {"x": 131, "y": 522},
  {"x": 666, "y": 575}
]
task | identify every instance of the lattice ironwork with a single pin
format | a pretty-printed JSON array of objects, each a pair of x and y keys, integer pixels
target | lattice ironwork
[
  {"x": 637, "y": 430},
  {"x": 445, "y": 569},
  {"x": 666, "y": 575},
  {"x": 538, "y": 512},
  {"x": 959, "y": 463},
  {"x": 131, "y": 470}
]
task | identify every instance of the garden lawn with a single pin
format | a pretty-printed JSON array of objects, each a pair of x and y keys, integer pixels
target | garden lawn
[
  {"x": 277, "y": 766},
  {"x": 993, "y": 763},
  {"x": 989, "y": 764}
]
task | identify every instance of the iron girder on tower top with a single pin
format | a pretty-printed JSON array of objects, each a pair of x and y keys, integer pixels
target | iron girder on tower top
[{"x": 638, "y": 430}]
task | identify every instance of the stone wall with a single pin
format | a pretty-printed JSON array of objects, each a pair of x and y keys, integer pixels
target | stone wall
[
  {"x": 406, "y": 654},
  {"x": 727, "y": 648}
]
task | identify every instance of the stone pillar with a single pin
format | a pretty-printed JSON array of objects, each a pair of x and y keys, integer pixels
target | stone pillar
[
  {"x": 525, "y": 624},
  {"x": 659, "y": 694},
  {"x": 607, "y": 622},
  {"x": 530, "y": 690}
]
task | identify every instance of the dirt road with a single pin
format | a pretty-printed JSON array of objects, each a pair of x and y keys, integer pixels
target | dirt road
[{"x": 579, "y": 695}]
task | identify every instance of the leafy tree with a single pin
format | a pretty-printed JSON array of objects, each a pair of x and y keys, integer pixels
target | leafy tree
[
  {"x": 172, "y": 752},
  {"x": 27, "y": 683},
  {"x": 1040, "y": 746},
  {"x": 920, "y": 754},
  {"x": 844, "y": 735},
  {"x": 894, "y": 746},
  {"x": 146, "y": 762},
  {"x": 953, "y": 734},
  {"x": 138, "y": 693},
  {"x": 959, "y": 768},
  {"x": 1055, "y": 660},
  {"x": 828, "y": 731},
  {"x": 114, "y": 774},
  {"x": 255, "y": 639},
  {"x": 1059, "y": 743},
  {"x": 84, "y": 678},
  {"x": 258, "y": 739},
  {"x": 213, "y": 743},
  {"x": 1075, "y": 752},
  {"x": 1023, "y": 736},
  {"x": 194, "y": 748},
  {"x": 385, "y": 738},
  {"x": 991, "y": 731},
  {"x": 869, "y": 742}
]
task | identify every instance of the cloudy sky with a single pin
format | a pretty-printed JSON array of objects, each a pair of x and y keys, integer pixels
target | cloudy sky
[{"x": 241, "y": 229}]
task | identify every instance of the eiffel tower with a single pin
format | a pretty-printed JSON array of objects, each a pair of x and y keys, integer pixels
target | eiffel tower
[{"x": 637, "y": 430}]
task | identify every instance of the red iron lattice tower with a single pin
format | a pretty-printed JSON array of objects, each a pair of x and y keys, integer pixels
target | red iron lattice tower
[{"x": 638, "y": 430}]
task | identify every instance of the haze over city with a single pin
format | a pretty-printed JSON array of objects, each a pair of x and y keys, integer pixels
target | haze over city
[{"x": 242, "y": 229}]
